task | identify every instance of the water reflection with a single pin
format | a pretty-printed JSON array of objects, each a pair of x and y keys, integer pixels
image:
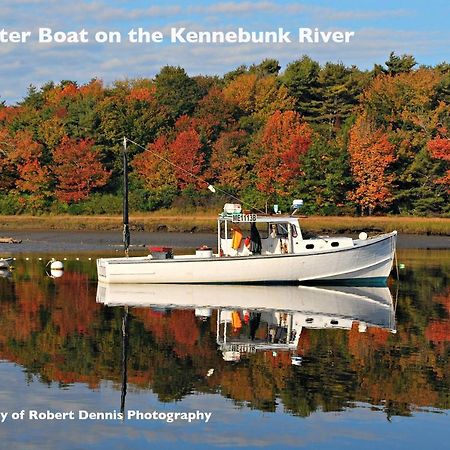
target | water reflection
[
  {"x": 262, "y": 318},
  {"x": 303, "y": 349}
]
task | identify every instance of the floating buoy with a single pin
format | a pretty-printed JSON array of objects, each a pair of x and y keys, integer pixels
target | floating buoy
[
  {"x": 55, "y": 265},
  {"x": 363, "y": 235},
  {"x": 56, "y": 268}
]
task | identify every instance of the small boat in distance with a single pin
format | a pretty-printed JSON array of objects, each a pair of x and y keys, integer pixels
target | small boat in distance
[{"x": 261, "y": 248}]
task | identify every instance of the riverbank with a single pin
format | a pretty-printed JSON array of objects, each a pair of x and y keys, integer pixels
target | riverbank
[{"x": 206, "y": 222}]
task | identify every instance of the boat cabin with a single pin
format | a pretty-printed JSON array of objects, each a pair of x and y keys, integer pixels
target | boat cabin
[{"x": 245, "y": 234}]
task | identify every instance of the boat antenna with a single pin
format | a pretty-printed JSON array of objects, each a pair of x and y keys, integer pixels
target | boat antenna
[
  {"x": 126, "y": 227},
  {"x": 212, "y": 188}
]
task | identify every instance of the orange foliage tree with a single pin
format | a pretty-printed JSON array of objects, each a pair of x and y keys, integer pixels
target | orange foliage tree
[
  {"x": 439, "y": 148},
  {"x": 33, "y": 177},
  {"x": 78, "y": 169},
  {"x": 371, "y": 153},
  {"x": 285, "y": 138}
]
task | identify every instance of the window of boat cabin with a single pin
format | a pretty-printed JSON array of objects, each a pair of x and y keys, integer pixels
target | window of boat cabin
[
  {"x": 280, "y": 230},
  {"x": 243, "y": 226}
]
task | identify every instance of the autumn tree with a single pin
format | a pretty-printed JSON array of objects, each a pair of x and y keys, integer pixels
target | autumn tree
[
  {"x": 169, "y": 165},
  {"x": 213, "y": 114},
  {"x": 186, "y": 155},
  {"x": 371, "y": 154},
  {"x": 284, "y": 139},
  {"x": 229, "y": 162},
  {"x": 128, "y": 109},
  {"x": 77, "y": 169},
  {"x": 255, "y": 94},
  {"x": 7, "y": 168},
  {"x": 408, "y": 107},
  {"x": 439, "y": 148},
  {"x": 33, "y": 177}
]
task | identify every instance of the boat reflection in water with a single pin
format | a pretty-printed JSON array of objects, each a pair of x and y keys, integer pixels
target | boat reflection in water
[{"x": 252, "y": 318}]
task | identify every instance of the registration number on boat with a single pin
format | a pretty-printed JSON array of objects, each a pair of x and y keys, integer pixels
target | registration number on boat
[{"x": 244, "y": 218}]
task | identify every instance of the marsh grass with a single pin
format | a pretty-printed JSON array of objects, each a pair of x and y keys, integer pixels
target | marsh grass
[{"x": 205, "y": 221}]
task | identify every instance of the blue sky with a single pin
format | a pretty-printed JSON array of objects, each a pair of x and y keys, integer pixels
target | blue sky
[{"x": 412, "y": 27}]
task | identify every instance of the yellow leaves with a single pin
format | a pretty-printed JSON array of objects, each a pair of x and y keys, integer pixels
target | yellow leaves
[
  {"x": 259, "y": 96},
  {"x": 404, "y": 100},
  {"x": 52, "y": 131}
]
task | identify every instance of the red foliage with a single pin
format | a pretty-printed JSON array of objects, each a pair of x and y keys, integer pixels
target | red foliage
[
  {"x": 175, "y": 163},
  {"x": 33, "y": 177},
  {"x": 186, "y": 155},
  {"x": 78, "y": 169},
  {"x": 439, "y": 148},
  {"x": 284, "y": 140}
]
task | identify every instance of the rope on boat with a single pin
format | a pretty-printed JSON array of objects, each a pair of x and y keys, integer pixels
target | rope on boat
[{"x": 212, "y": 188}]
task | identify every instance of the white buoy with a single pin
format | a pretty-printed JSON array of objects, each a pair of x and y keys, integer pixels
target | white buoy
[
  {"x": 363, "y": 235},
  {"x": 56, "y": 265}
]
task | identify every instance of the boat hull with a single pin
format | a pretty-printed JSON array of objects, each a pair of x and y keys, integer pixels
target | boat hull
[{"x": 369, "y": 261}]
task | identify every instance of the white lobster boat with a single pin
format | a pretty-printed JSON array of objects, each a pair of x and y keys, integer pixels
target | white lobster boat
[{"x": 261, "y": 249}]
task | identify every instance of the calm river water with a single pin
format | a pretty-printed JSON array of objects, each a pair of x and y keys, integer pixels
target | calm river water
[{"x": 200, "y": 367}]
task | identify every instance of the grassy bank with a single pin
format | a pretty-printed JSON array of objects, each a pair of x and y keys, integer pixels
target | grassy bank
[{"x": 206, "y": 222}]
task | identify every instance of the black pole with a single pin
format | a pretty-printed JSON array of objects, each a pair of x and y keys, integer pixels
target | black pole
[
  {"x": 126, "y": 228},
  {"x": 124, "y": 359}
]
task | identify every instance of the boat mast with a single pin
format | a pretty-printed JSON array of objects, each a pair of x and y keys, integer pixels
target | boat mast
[
  {"x": 126, "y": 228},
  {"x": 123, "y": 391}
]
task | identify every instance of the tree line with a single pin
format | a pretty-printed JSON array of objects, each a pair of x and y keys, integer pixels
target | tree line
[{"x": 344, "y": 140}]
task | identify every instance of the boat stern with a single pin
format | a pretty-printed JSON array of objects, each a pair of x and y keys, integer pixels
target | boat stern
[{"x": 102, "y": 269}]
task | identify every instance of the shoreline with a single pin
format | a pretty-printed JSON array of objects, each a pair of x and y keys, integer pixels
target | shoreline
[
  {"x": 63, "y": 241},
  {"x": 206, "y": 222}
]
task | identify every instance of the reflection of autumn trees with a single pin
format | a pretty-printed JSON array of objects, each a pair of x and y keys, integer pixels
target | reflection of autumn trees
[{"x": 56, "y": 330}]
